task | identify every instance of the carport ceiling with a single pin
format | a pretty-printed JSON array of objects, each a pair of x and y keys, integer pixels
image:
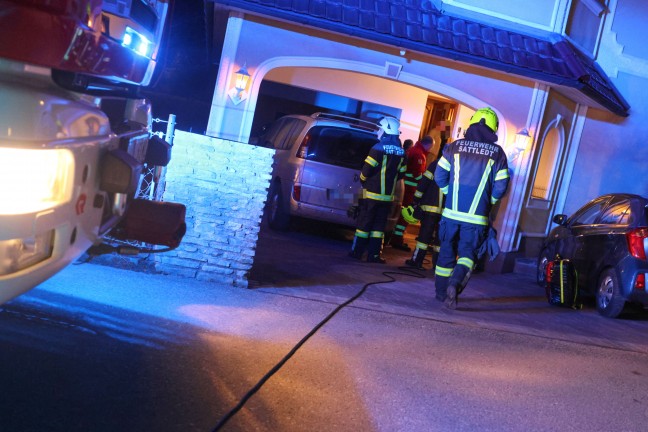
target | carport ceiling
[{"x": 419, "y": 26}]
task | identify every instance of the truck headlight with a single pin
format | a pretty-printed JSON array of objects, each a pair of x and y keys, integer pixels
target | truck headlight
[
  {"x": 18, "y": 254},
  {"x": 32, "y": 180}
]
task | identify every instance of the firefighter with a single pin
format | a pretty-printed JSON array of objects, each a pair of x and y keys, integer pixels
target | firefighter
[
  {"x": 427, "y": 204},
  {"x": 473, "y": 174},
  {"x": 416, "y": 158},
  {"x": 382, "y": 168}
]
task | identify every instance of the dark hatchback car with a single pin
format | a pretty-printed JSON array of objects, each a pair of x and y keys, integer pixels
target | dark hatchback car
[{"x": 607, "y": 240}]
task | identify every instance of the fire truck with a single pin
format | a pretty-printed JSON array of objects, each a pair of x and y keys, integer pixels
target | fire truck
[{"x": 75, "y": 135}]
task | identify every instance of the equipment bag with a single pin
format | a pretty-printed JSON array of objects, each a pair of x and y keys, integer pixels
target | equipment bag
[{"x": 562, "y": 283}]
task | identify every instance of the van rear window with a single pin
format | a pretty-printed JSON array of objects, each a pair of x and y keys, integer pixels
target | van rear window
[{"x": 342, "y": 147}]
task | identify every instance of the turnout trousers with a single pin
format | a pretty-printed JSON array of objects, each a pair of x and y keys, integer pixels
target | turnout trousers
[
  {"x": 428, "y": 236},
  {"x": 370, "y": 230},
  {"x": 460, "y": 242}
]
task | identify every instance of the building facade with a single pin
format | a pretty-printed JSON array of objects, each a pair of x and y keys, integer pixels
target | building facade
[{"x": 570, "y": 72}]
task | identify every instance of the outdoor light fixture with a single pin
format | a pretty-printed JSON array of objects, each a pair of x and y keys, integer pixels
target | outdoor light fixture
[
  {"x": 522, "y": 141},
  {"x": 238, "y": 93}
]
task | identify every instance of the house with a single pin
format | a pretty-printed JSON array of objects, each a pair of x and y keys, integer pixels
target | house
[{"x": 566, "y": 77}]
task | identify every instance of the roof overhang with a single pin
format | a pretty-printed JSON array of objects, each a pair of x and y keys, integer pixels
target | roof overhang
[{"x": 422, "y": 28}]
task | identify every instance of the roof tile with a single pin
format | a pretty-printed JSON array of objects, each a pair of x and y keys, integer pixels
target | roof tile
[{"x": 419, "y": 25}]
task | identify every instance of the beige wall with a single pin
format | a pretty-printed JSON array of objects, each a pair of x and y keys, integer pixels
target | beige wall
[{"x": 409, "y": 99}]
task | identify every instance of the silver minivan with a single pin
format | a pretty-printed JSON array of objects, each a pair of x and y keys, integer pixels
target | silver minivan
[{"x": 316, "y": 173}]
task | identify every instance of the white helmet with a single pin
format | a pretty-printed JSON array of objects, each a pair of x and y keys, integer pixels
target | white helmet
[{"x": 389, "y": 125}]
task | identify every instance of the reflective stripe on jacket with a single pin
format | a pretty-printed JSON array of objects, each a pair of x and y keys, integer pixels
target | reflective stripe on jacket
[
  {"x": 428, "y": 194},
  {"x": 474, "y": 176},
  {"x": 384, "y": 165}
]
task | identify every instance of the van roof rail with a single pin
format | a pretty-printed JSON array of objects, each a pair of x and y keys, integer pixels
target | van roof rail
[{"x": 364, "y": 124}]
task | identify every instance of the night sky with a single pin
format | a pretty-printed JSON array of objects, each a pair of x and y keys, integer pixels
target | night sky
[{"x": 186, "y": 84}]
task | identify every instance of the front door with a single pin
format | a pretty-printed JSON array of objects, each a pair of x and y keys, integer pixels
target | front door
[{"x": 541, "y": 196}]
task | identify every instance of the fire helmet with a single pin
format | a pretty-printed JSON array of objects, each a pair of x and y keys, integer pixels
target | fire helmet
[
  {"x": 389, "y": 125},
  {"x": 408, "y": 215},
  {"x": 489, "y": 116}
]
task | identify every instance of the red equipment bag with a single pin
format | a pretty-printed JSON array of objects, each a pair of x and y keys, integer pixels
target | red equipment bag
[{"x": 155, "y": 222}]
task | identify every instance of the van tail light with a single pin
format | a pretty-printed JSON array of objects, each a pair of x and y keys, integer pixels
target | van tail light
[
  {"x": 297, "y": 192},
  {"x": 637, "y": 241},
  {"x": 303, "y": 147},
  {"x": 640, "y": 282}
]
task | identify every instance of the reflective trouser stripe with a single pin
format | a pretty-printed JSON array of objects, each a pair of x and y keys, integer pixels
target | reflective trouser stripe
[
  {"x": 467, "y": 262},
  {"x": 377, "y": 234},
  {"x": 361, "y": 234},
  {"x": 422, "y": 246},
  {"x": 442, "y": 271}
]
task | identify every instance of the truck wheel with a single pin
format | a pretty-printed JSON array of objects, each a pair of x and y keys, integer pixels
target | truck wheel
[
  {"x": 278, "y": 218},
  {"x": 609, "y": 300}
]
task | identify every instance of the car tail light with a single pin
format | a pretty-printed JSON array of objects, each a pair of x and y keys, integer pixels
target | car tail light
[
  {"x": 297, "y": 192},
  {"x": 303, "y": 147},
  {"x": 640, "y": 282},
  {"x": 637, "y": 239},
  {"x": 548, "y": 270}
]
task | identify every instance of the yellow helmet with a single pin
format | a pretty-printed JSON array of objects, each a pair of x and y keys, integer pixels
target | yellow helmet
[
  {"x": 489, "y": 116},
  {"x": 408, "y": 215}
]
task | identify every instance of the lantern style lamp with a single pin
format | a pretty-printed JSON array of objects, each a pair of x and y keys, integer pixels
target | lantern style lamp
[
  {"x": 522, "y": 140},
  {"x": 239, "y": 93}
]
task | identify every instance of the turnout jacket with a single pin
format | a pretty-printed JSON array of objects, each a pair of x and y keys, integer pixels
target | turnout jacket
[
  {"x": 382, "y": 168},
  {"x": 416, "y": 161},
  {"x": 428, "y": 195},
  {"x": 473, "y": 175}
]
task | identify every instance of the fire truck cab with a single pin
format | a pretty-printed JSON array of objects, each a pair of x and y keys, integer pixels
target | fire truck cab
[{"x": 74, "y": 133}]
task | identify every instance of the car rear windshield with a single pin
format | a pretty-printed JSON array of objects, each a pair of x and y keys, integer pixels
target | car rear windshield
[{"x": 337, "y": 146}]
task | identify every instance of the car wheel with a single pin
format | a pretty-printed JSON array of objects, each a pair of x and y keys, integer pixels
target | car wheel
[
  {"x": 541, "y": 267},
  {"x": 609, "y": 300},
  {"x": 278, "y": 218}
]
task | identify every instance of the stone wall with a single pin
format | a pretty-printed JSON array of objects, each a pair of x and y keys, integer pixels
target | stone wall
[{"x": 224, "y": 186}]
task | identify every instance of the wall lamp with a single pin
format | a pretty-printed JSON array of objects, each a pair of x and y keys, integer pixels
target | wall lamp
[
  {"x": 239, "y": 93},
  {"x": 521, "y": 144}
]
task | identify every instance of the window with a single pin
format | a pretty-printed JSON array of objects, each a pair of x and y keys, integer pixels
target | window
[
  {"x": 545, "y": 172},
  {"x": 283, "y": 132},
  {"x": 585, "y": 23},
  {"x": 617, "y": 213},
  {"x": 589, "y": 213},
  {"x": 337, "y": 146}
]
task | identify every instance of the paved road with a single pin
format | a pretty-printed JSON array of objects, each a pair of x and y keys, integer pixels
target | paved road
[{"x": 103, "y": 349}]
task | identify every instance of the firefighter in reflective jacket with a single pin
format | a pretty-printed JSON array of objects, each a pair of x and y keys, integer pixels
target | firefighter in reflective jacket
[
  {"x": 473, "y": 174},
  {"x": 382, "y": 168},
  {"x": 416, "y": 158},
  {"x": 428, "y": 204}
]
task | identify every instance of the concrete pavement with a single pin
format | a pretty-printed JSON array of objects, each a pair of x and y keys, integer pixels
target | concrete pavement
[
  {"x": 297, "y": 265},
  {"x": 394, "y": 360}
]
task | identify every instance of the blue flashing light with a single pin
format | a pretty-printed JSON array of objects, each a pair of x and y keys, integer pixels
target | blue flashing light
[{"x": 137, "y": 42}]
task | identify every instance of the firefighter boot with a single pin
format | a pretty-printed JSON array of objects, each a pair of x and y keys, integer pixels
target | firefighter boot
[
  {"x": 417, "y": 259},
  {"x": 358, "y": 247},
  {"x": 375, "y": 250}
]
